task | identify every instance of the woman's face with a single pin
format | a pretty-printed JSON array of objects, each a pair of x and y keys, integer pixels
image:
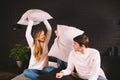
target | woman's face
[{"x": 42, "y": 36}]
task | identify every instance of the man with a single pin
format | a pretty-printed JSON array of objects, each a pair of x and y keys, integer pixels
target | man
[{"x": 85, "y": 60}]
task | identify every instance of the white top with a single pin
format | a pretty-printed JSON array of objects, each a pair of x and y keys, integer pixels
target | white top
[
  {"x": 64, "y": 43},
  {"x": 87, "y": 65},
  {"x": 33, "y": 64}
]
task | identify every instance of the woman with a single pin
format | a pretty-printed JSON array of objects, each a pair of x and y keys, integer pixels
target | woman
[{"x": 38, "y": 43}]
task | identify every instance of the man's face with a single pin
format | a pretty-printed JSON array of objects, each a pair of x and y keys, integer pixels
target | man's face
[{"x": 77, "y": 47}]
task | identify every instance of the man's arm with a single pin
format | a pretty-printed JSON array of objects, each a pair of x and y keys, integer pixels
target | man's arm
[{"x": 69, "y": 68}]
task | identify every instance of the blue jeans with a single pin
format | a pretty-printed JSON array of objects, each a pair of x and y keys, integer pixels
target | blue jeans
[
  {"x": 34, "y": 74},
  {"x": 61, "y": 64}
]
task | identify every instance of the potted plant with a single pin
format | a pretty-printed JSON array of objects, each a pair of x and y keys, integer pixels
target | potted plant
[{"x": 19, "y": 53}]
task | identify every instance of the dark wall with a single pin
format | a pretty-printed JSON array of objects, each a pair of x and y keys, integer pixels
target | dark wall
[{"x": 100, "y": 19}]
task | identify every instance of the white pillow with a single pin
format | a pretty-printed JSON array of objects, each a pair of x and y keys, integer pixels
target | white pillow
[
  {"x": 64, "y": 43},
  {"x": 35, "y": 15},
  {"x": 67, "y": 33}
]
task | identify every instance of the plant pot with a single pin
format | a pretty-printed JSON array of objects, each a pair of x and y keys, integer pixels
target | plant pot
[{"x": 19, "y": 64}]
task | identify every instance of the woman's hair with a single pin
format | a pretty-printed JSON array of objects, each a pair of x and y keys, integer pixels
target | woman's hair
[
  {"x": 37, "y": 46},
  {"x": 82, "y": 40}
]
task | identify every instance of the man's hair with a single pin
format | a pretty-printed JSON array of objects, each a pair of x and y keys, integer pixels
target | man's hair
[{"x": 82, "y": 40}]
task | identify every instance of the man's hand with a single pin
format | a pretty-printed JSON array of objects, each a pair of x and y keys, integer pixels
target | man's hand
[{"x": 59, "y": 75}]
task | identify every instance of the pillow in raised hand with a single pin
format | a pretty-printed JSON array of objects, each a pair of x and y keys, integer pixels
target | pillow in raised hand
[{"x": 35, "y": 15}]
